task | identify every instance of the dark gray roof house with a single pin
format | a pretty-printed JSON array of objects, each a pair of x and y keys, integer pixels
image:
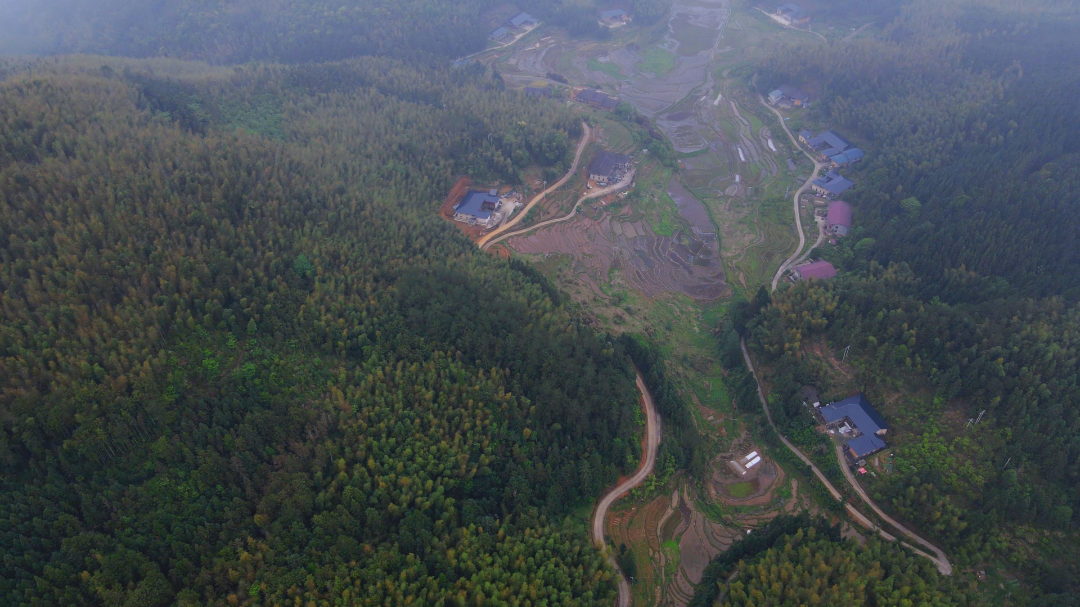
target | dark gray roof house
[
  {"x": 829, "y": 140},
  {"x": 832, "y": 184},
  {"x": 522, "y": 20},
  {"x": 479, "y": 204},
  {"x": 607, "y": 165},
  {"x": 537, "y": 91},
  {"x": 598, "y": 99},
  {"x": 499, "y": 34}
]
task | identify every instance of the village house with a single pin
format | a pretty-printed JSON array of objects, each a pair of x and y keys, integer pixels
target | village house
[
  {"x": 598, "y": 100},
  {"x": 538, "y": 91},
  {"x": 522, "y": 21},
  {"x": 838, "y": 221},
  {"x": 788, "y": 96},
  {"x": 500, "y": 34},
  {"x": 614, "y": 17},
  {"x": 847, "y": 157},
  {"x": 479, "y": 208},
  {"x": 856, "y": 420},
  {"x": 792, "y": 14},
  {"x": 829, "y": 144},
  {"x": 818, "y": 270},
  {"x": 608, "y": 167},
  {"x": 832, "y": 184}
]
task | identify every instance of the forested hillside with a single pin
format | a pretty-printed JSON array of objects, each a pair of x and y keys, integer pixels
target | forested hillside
[
  {"x": 976, "y": 160},
  {"x": 959, "y": 285},
  {"x": 290, "y": 31},
  {"x": 244, "y": 363}
]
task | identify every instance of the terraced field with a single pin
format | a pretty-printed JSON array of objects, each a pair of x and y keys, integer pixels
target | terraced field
[{"x": 650, "y": 263}]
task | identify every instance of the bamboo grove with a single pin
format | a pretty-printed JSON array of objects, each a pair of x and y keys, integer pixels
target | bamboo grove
[{"x": 243, "y": 362}]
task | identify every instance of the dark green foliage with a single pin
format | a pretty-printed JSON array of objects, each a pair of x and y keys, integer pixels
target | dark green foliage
[
  {"x": 626, "y": 562},
  {"x": 240, "y": 369},
  {"x": 724, "y": 564},
  {"x": 973, "y": 144},
  {"x": 804, "y": 569},
  {"x": 684, "y": 448}
]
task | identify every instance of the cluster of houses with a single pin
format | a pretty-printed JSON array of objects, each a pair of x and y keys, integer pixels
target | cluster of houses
[
  {"x": 791, "y": 14},
  {"x": 523, "y": 22},
  {"x": 608, "y": 167},
  {"x": 596, "y": 99},
  {"x": 838, "y": 152},
  {"x": 858, "y": 425}
]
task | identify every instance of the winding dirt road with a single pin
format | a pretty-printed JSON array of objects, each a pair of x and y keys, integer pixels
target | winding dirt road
[
  {"x": 938, "y": 558},
  {"x": 622, "y": 183},
  {"x": 798, "y": 216},
  {"x": 652, "y": 441},
  {"x": 585, "y": 138}
]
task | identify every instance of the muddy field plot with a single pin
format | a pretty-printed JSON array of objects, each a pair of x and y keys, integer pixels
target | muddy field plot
[{"x": 649, "y": 263}]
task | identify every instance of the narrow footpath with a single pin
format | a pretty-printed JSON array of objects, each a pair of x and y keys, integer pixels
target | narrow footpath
[
  {"x": 652, "y": 441},
  {"x": 790, "y": 261},
  {"x": 585, "y": 138},
  {"x": 938, "y": 558}
]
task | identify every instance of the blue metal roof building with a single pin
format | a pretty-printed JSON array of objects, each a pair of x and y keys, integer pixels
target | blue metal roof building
[
  {"x": 479, "y": 204},
  {"x": 522, "y": 19},
  {"x": 859, "y": 410},
  {"x": 862, "y": 416},
  {"x": 832, "y": 184},
  {"x": 499, "y": 33}
]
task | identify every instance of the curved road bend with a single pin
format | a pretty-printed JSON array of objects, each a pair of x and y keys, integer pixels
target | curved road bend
[
  {"x": 798, "y": 216},
  {"x": 652, "y": 441},
  {"x": 940, "y": 560},
  {"x": 625, "y": 181},
  {"x": 585, "y": 137}
]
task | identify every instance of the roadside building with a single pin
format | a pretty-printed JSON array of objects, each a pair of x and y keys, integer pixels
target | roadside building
[
  {"x": 792, "y": 14},
  {"x": 522, "y": 21},
  {"x": 615, "y": 16},
  {"x": 805, "y": 137},
  {"x": 500, "y": 34},
  {"x": 838, "y": 221},
  {"x": 598, "y": 100},
  {"x": 608, "y": 167},
  {"x": 856, "y": 420},
  {"x": 538, "y": 91},
  {"x": 479, "y": 208},
  {"x": 832, "y": 184},
  {"x": 789, "y": 96},
  {"x": 846, "y": 157},
  {"x": 829, "y": 144},
  {"x": 818, "y": 270}
]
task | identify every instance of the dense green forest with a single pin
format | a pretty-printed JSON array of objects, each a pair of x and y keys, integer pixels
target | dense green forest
[
  {"x": 244, "y": 363},
  {"x": 968, "y": 111},
  {"x": 806, "y": 569},
  {"x": 959, "y": 285},
  {"x": 800, "y": 560},
  {"x": 291, "y": 31}
]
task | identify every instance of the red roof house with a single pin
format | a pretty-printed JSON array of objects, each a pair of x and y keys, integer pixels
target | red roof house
[
  {"x": 838, "y": 221},
  {"x": 820, "y": 270}
]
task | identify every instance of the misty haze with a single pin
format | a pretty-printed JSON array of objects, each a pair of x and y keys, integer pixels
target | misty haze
[{"x": 652, "y": 303}]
